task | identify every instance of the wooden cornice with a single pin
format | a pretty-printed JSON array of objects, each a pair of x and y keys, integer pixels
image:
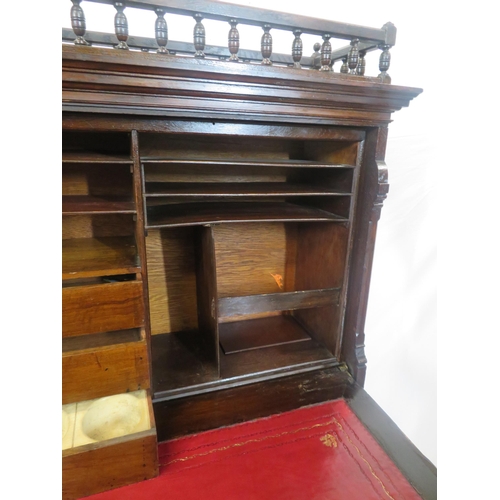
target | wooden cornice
[{"x": 110, "y": 81}]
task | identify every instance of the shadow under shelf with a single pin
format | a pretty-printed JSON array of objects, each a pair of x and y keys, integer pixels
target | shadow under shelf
[
  {"x": 266, "y": 348},
  {"x": 191, "y": 214}
]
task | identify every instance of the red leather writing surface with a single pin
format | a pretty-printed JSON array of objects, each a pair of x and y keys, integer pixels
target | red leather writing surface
[{"x": 320, "y": 452}]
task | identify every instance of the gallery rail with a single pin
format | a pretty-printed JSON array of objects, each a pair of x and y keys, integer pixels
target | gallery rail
[{"x": 362, "y": 39}]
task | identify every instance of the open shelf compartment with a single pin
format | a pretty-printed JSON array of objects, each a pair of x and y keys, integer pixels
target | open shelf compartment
[{"x": 238, "y": 332}]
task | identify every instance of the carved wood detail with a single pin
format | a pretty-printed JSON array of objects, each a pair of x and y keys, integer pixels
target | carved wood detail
[
  {"x": 161, "y": 31},
  {"x": 121, "y": 26}
]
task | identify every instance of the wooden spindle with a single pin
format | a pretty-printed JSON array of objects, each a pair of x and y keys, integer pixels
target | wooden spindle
[
  {"x": 353, "y": 56},
  {"x": 316, "y": 56},
  {"x": 233, "y": 41},
  {"x": 297, "y": 49},
  {"x": 344, "y": 69},
  {"x": 266, "y": 45},
  {"x": 161, "y": 31},
  {"x": 199, "y": 37},
  {"x": 121, "y": 26},
  {"x": 78, "y": 23},
  {"x": 384, "y": 63},
  {"x": 360, "y": 70},
  {"x": 326, "y": 54}
]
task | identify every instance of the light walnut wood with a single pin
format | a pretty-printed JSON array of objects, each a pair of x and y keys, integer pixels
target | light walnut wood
[
  {"x": 97, "y": 226},
  {"x": 250, "y": 258},
  {"x": 93, "y": 373},
  {"x": 172, "y": 280},
  {"x": 90, "y": 257},
  {"x": 102, "y": 308}
]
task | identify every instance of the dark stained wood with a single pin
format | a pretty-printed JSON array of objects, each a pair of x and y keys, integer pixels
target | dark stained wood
[
  {"x": 104, "y": 371},
  {"x": 102, "y": 308},
  {"x": 92, "y": 157},
  {"x": 90, "y": 257},
  {"x": 161, "y": 189},
  {"x": 78, "y": 22},
  {"x": 285, "y": 301},
  {"x": 315, "y": 95},
  {"x": 281, "y": 359},
  {"x": 321, "y": 258},
  {"x": 181, "y": 359},
  {"x": 161, "y": 31},
  {"x": 360, "y": 69},
  {"x": 245, "y": 163},
  {"x": 419, "y": 471},
  {"x": 297, "y": 49},
  {"x": 257, "y": 17},
  {"x": 206, "y": 294},
  {"x": 91, "y": 469},
  {"x": 384, "y": 64},
  {"x": 233, "y": 40},
  {"x": 254, "y": 201},
  {"x": 257, "y": 333},
  {"x": 353, "y": 56},
  {"x": 182, "y": 416},
  {"x": 192, "y": 214},
  {"x": 266, "y": 45},
  {"x": 95, "y": 340},
  {"x": 199, "y": 37},
  {"x": 365, "y": 225},
  {"x": 326, "y": 54},
  {"x": 121, "y": 26},
  {"x": 175, "y": 47},
  {"x": 138, "y": 187},
  {"x": 81, "y": 204}
]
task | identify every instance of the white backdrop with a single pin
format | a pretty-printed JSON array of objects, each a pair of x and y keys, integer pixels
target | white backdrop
[{"x": 401, "y": 320}]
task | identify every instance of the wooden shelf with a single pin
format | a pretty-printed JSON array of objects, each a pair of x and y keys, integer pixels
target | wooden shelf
[
  {"x": 91, "y": 157},
  {"x": 244, "y": 189},
  {"x": 76, "y": 205},
  {"x": 242, "y": 336},
  {"x": 94, "y": 257},
  {"x": 273, "y": 302},
  {"x": 243, "y": 163},
  {"x": 279, "y": 358},
  {"x": 180, "y": 360},
  {"x": 100, "y": 340},
  {"x": 192, "y": 214}
]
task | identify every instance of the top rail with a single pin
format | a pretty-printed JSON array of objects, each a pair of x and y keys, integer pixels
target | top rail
[
  {"x": 362, "y": 39},
  {"x": 222, "y": 11}
]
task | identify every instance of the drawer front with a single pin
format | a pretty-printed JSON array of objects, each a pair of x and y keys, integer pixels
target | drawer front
[
  {"x": 95, "y": 373},
  {"x": 102, "y": 308}
]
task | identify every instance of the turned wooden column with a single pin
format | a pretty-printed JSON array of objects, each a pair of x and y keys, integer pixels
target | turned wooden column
[
  {"x": 161, "y": 31},
  {"x": 78, "y": 23},
  {"x": 326, "y": 54},
  {"x": 297, "y": 49},
  {"x": 353, "y": 56},
  {"x": 199, "y": 37},
  {"x": 233, "y": 40},
  {"x": 266, "y": 45},
  {"x": 121, "y": 26}
]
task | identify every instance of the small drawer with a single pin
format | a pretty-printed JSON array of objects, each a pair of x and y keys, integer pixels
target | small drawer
[
  {"x": 113, "y": 443},
  {"x": 102, "y": 308},
  {"x": 101, "y": 371}
]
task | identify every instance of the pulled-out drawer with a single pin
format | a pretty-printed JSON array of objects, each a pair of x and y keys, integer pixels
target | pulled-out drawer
[{"x": 107, "y": 443}]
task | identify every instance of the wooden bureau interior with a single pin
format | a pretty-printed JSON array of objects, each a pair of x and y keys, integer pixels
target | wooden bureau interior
[{"x": 218, "y": 229}]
